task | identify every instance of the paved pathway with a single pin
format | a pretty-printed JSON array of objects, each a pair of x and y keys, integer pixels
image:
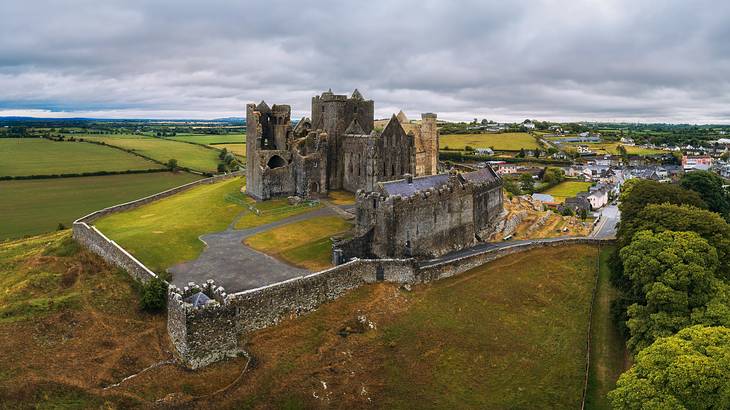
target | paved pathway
[{"x": 234, "y": 265}]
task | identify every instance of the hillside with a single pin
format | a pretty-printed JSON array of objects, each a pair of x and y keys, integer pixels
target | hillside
[{"x": 510, "y": 334}]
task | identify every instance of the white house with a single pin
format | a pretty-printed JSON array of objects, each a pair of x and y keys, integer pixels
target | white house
[{"x": 528, "y": 124}]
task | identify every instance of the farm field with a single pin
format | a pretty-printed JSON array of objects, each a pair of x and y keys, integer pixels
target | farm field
[
  {"x": 567, "y": 189},
  {"x": 36, "y": 156},
  {"x": 305, "y": 244},
  {"x": 164, "y": 233},
  {"x": 207, "y": 139},
  {"x": 187, "y": 155},
  {"x": 31, "y": 207},
  {"x": 507, "y": 335},
  {"x": 509, "y": 141},
  {"x": 236, "y": 149},
  {"x": 612, "y": 149}
]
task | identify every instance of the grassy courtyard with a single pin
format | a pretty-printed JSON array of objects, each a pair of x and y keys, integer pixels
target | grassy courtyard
[
  {"x": 36, "y": 156},
  {"x": 31, "y": 207},
  {"x": 265, "y": 212},
  {"x": 305, "y": 244},
  {"x": 187, "y": 155},
  {"x": 567, "y": 189},
  {"x": 164, "y": 233},
  {"x": 508, "y": 141}
]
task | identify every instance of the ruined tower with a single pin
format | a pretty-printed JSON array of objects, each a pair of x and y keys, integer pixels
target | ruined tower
[{"x": 333, "y": 113}]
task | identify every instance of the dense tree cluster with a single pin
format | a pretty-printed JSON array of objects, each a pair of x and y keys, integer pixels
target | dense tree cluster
[{"x": 673, "y": 271}]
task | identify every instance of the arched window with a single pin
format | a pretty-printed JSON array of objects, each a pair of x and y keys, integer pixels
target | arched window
[{"x": 276, "y": 162}]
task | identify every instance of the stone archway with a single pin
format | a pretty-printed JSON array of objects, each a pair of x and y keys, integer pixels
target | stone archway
[
  {"x": 313, "y": 189},
  {"x": 276, "y": 162}
]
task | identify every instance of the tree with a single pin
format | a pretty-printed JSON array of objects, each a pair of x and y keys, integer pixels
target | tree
[
  {"x": 672, "y": 276},
  {"x": 710, "y": 187},
  {"x": 553, "y": 175},
  {"x": 223, "y": 153},
  {"x": 527, "y": 183},
  {"x": 153, "y": 296},
  {"x": 583, "y": 214},
  {"x": 221, "y": 167},
  {"x": 685, "y": 371},
  {"x": 172, "y": 164},
  {"x": 645, "y": 192},
  {"x": 668, "y": 217}
]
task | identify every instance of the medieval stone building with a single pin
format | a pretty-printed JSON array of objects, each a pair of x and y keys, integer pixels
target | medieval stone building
[
  {"x": 338, "y": 148},
  {"x": 425, "y": 217}
]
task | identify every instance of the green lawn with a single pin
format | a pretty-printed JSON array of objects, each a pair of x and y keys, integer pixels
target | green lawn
[
  {"x": 165, "y": 232},
  {"x": 567, "y": 189},
  {"x": 508, "y": 141},
  {"x": 608, "y": 350},
  {"x": 187, "y": 155},
  {"x": 36, "y": 156},
  {"x": 612, "y": 148},
  {"x": 30, "y": 207},
  {"x": 304, "y": 244},
  {"x": 206, "y": 139},
  {"x": 271, "y": 211}
]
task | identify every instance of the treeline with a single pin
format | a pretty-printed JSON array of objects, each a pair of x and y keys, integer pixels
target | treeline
[
  {"x": 461, "y": 156},
  {"x": 83, "y": 174},
  {"x": 672, "y": 268}
]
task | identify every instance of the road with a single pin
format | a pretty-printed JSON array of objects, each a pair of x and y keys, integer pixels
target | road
[{"x": 606, "y": 228}]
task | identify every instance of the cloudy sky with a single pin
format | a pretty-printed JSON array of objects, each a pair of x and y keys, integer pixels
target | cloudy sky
[{"x": 623, "y": 60}]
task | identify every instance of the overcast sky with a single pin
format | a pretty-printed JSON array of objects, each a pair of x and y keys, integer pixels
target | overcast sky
[{"x": 627, "y": 60}]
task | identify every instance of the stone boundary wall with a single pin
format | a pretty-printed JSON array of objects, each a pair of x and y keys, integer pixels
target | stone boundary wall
[
  {"x": 109, "y": 250},
  {"x": 205, "y": 334}
]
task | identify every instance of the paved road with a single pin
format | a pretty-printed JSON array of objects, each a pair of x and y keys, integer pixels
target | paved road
[
  {"x": 234, "y": 265},
  {"x": 610, "y": 216}
]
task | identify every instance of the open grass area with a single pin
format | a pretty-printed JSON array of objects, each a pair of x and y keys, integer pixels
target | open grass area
[
  {"x": 187, "y": 155},
  {"x": 608, "y": 349},
  {"x": 508, "y": 141},
  {"x": 567, "y": 189},
  {"x": 305, "y": 244},
  {"x": 341, "y": 197},
  {"x": 69, "y": 325},
  {"x": 30, "y": 207},
  {"x": 164, "y": 233},
  {"x": 36, "y": 156},
  {"x": 236, "y": 149},
  {"x": 207, "y": 139},
  {"x": 265, "y": 212},
  {"x": 507, "y": 335}
]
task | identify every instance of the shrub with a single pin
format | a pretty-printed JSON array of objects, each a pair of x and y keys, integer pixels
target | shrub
[{"x": 153, "y": 297}]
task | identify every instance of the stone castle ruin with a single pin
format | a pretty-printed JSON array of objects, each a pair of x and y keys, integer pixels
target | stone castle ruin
[{"x": 338, "y": 148}]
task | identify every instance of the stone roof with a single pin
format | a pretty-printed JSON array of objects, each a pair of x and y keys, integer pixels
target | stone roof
[
  {"x": 404, "y": 188},
  {"x": 481, "y": 176},
  {"x": 402, "y": 117},
  {"x": 354, "y": 128},
  {"x": 356, "y": 95}
]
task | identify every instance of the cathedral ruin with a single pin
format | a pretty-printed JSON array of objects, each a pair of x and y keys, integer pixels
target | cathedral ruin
[{"x": 337, "y": 148}]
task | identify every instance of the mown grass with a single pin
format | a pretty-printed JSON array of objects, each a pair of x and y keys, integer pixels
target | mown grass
[
  {"x": 608, "y": 350},
  {"x": 36, "y": 156},
  {"x": 612, "y": 148},
  {"x": 207, "y": 139},
  {"x": 508, "y": 141},
  {"x": 31, "y": 207},
  {"x": 164, "y": 233},
  {"x": 160, "y": 149},
  {"x": 567, "y": 189},
  {"x": 305, "y": 244},
  {"x": 271, "y": 211}
]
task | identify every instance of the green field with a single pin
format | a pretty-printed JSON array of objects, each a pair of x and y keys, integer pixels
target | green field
[
  {"x": 165, "y": 232},
  {"x": 612, "y": 148},
  {"x": 237, "y": 149},
  {"x": 187, "y": 155},
  {"x": 205, "y": 139},
  {"x": 567, "y": 189},
  {"x": 305, "y": 244},
  {"x": 508, "y": 141},
  {"x": 608, "y": 351},
  {"x": 30, "y": 207},
  {"x": 36, "y": 156}
]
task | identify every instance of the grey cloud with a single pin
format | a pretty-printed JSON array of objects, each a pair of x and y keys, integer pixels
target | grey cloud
[{"x": 593, "y": 60}]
